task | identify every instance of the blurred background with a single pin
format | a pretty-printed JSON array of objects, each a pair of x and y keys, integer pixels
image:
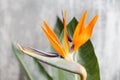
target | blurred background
[{"x": 20, "y": 21}]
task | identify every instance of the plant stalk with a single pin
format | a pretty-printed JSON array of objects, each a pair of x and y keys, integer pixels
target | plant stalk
[{"x": 83, "y": 73}]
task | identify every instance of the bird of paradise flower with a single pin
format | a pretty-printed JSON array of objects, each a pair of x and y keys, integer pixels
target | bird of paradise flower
[{"x": 81, "y": 35}]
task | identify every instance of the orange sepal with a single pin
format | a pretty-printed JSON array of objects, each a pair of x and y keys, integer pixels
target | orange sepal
[
  {"x": 51, "y": 32},
  {"x": 79, "y": 27},
  {"x": 54, "y": 43},
  {"x": 86, "y": 34},
  {"x": 66, "y": 43}
]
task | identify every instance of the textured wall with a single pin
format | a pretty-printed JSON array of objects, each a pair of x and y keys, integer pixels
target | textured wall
[{"x": 20, "y": 21}]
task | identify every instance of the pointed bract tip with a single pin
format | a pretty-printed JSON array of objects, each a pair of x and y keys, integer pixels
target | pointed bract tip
[{"x": 19, "y": 46}]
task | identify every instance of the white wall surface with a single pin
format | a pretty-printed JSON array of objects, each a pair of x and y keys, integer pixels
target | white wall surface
[{"x": 20, "y": 21}]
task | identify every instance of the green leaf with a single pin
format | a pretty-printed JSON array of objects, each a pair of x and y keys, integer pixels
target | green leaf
[
  {"x": 71, "y": 26},
  {"x": 86, "y": 56},
  {"x": 58, "y": 27},
  {"x": 33, "y": 69}
]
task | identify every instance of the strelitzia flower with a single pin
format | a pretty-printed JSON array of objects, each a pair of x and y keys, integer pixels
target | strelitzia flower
[{"x": 81, "y": 35}]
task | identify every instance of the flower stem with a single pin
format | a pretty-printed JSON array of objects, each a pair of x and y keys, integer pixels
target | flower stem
[
  {"x": 83, "y": 73},
  {"x": 75, "y": 59}
]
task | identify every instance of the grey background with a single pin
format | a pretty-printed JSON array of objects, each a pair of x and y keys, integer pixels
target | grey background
[{"x": 20, "y": 21}]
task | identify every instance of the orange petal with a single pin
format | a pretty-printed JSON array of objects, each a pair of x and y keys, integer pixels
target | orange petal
[
  {"x": 54, "y": 43},
  {"x": 66, "y": 43},
  {"x": 91, "y": 25},
  {"x": 86, "y": 34},
  {"x": 79, "y": 27},
  {"x": 51, "y": 32}
]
